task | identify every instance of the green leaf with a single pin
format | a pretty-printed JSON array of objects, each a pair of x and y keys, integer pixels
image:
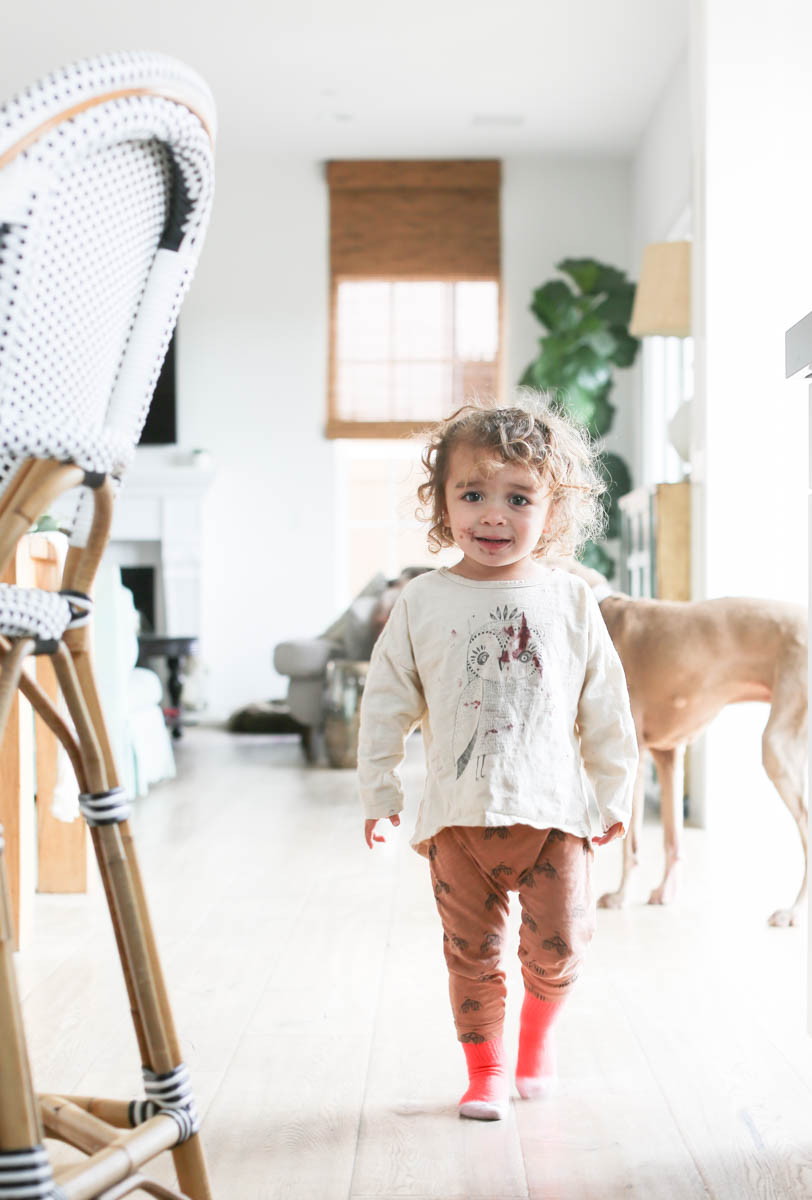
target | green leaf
[
  {"x": 626, "y": 347},
  {"x": 592, "y": 276},
  {"x": 554, "y": 305},
  {"x": 592, "y": 372},
  {"x": 578, "y": 404},
  {"x": 602, "y": 417},
  {"x": 589, "y": 326},
  {"x": 602, "y": 341},
  {"x": 534, "y": 375},
  {"x": 616, "y": 307},
  {"x": 584, "y": 271}
]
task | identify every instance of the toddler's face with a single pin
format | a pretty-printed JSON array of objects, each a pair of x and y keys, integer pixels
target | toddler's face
[{"x": 497, "y": 512}]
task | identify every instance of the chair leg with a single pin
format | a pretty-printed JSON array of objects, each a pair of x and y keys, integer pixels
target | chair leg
[
  {"x": 24, "y": 1167},
  {"x": 20, "y": 1127},
  {"x": 115, "y": 851}
]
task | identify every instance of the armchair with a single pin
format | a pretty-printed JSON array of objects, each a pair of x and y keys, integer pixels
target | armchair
[
  {"x": 352, "y": 636},
  {"x": 304, "y": 660}
]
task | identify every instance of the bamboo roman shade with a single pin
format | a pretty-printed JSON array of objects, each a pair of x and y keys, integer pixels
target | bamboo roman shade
[{"x": 414, "y": 219}]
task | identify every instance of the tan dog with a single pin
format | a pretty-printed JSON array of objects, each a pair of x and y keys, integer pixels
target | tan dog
[{"x": 684, "y": 662}]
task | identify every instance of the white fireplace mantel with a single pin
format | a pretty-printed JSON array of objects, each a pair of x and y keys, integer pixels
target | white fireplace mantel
[{"x": 157, "y": 522}]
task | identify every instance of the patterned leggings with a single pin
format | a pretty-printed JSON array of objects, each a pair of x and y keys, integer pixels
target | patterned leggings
[{"x": 473, "y": 869}]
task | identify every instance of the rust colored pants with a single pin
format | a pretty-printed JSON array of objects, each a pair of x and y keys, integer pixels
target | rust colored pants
[{"x": 473, "y": 869}]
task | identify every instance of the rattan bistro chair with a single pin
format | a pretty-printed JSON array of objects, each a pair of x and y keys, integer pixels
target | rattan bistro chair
[{"x": 106, "y": 180}]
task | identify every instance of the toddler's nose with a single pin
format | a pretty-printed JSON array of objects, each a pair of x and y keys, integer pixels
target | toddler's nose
[{"x": 493, "y": 516}]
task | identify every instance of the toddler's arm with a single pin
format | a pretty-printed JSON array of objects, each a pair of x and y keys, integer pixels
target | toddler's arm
[
  {"x": 392, "y": 704},
  {"x": 608, "y": 737}
]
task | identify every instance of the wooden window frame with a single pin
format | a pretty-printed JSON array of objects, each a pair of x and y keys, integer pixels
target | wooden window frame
[{"x": 442, "y": 174}]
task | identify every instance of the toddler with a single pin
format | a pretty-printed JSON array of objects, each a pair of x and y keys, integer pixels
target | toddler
[{"x": 505, "y": 662}]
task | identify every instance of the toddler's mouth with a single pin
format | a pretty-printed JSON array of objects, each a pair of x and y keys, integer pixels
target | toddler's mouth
[{"x": 496, "y": 543}]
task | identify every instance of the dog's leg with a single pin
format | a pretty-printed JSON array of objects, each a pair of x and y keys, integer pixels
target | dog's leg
[
  {"x": 670, "y": 766},
  {"x": 631, "y": 843},
  {"x": 784, "y": 752}
]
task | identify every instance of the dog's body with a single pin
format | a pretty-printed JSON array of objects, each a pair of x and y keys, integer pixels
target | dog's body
[{"x": 684, "y": 662}]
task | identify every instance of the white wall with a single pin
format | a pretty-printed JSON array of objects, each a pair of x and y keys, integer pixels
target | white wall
[
  {"x": 555, "y": 208},
  {"x": 661, "y": 192},
  {"x": 757, "y": 281},
  {"x": 661, "y": 167},
  {"x": 753, "y": 184},
  {"x": 252, "y": 378},
  {"x": 252, "y": 383}
]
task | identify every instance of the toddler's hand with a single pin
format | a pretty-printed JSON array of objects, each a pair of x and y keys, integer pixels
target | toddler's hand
[
  {"x": 370, "y": 836},
  {"x": 612, "y": 832}
]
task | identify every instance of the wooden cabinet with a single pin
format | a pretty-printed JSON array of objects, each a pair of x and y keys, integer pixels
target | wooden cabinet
[{"x": 655, "y": 542}]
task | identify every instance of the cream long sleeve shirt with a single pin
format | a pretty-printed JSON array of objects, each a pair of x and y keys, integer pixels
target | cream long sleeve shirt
[{"x": 522, "y": 701}]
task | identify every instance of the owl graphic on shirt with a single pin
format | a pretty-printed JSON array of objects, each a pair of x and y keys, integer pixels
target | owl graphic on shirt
[{"x": 504, "y": 672}]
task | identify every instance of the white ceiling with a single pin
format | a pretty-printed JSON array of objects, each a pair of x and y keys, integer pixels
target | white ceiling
[{"x": 366, "y": 78}]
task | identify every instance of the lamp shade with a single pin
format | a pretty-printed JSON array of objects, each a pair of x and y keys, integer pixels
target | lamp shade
[{"x": 662, "y": 303}]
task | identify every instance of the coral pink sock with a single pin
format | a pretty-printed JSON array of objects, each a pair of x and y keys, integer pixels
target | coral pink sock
[
  {"x": 488, "y": 1087},
  {"x": 536, "y": 1069}
]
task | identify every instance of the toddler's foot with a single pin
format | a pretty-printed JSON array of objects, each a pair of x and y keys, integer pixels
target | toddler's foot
[
  {"x": 545, "y": 1080},
  {"x": 488, "y": 1088},
  {"x": 537, "y": 1068}
]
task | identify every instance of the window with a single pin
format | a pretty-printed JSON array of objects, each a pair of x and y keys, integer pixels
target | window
[
  {"x": 415, "y": 304},
  {"x": 413, "y": 350},
  {"x": 668, "y": 380}
]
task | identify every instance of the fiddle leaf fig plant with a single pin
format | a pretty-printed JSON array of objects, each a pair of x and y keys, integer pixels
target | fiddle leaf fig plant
[{"x": 587, "y": 323}]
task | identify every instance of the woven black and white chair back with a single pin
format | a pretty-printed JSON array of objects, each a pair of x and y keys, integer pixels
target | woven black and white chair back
[{"x": 106, "y": 180}]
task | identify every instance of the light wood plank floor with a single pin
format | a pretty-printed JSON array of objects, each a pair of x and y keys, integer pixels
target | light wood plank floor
[{"x": 310, "y": 993}]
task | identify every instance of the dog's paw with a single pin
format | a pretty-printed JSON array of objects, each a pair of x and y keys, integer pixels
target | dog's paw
[
  {"x": 612, "y": 900},
  {"x": 666, "y": 893},
  {"x": 783, "y": 918}
]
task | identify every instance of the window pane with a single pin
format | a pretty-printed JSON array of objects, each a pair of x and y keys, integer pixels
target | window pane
[
  {"x": 362, "y": 312},
  {"x": 477, "y": 324},
  {"x": 422, "y": 320},
  {"x": 420, "y": 390},
  {"x": 473, "y": 379},
  {"x": 363, "y": 391}
]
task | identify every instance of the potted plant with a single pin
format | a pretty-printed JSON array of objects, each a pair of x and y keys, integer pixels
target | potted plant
[{"x": 587, "y": 338}]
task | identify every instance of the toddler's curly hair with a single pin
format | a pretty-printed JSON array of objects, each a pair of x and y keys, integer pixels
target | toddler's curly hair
[{"x": 535, "y": 433}]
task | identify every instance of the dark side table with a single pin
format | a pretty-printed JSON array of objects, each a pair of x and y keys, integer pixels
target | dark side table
[{"x": 175, "y": 650}]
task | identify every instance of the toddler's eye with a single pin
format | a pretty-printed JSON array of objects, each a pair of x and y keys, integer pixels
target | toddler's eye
[
  {"x": 472, "y": 496},
  {"x": 519, "y": 501}
]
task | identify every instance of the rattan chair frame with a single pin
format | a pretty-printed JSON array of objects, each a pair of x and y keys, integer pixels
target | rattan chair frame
[{"x": 115, "y": 1158}]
